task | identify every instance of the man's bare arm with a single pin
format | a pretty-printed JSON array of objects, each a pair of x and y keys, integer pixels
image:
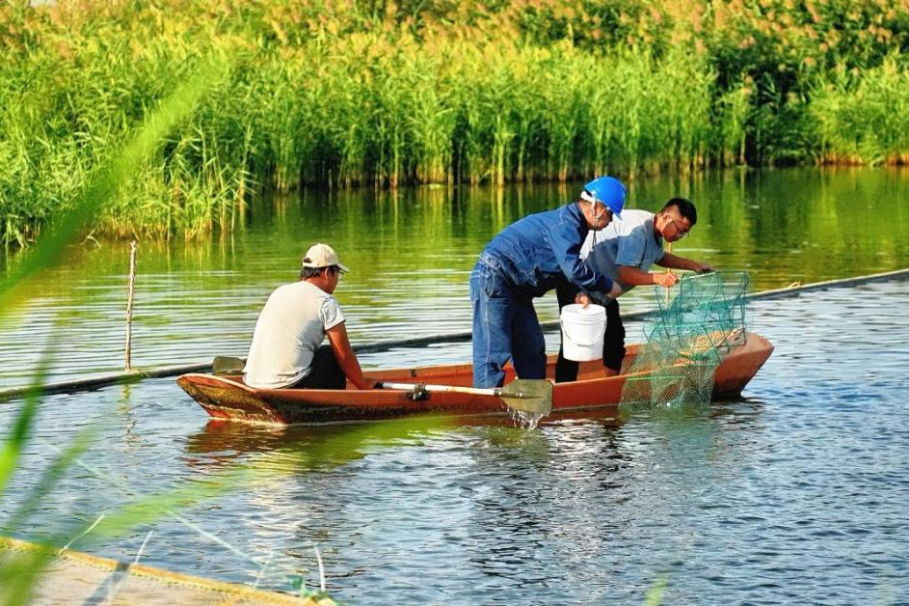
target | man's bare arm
[{"x": 347, "y": 359}]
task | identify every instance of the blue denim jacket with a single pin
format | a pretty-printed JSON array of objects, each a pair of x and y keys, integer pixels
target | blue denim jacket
[{"x": 536, "y": 253}]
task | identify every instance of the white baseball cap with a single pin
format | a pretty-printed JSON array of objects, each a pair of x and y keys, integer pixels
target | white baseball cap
[{"x": 322, "y": 255}]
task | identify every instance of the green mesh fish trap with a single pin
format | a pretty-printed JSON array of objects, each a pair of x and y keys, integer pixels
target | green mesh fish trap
[{"x": 696, "y": 323}]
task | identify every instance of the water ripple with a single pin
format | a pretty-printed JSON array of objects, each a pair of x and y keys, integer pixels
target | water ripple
[{"x": 795, "y": 494}]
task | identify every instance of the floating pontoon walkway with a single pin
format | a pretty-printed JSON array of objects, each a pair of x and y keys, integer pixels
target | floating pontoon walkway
[{"x": 78, "y": 578}]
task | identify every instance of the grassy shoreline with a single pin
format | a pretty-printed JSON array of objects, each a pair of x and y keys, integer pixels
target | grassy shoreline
[{"x": 381, "y": 95}]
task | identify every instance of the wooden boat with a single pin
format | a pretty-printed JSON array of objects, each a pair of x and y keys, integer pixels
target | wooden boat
[{"x": 226, "y": 397}]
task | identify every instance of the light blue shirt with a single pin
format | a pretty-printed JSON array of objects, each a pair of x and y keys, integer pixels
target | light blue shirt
[{"x": 629, "y": 242}]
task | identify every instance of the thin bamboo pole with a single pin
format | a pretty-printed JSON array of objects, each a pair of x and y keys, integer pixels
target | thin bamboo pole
[
  {"x": 129, "y": 305},
  {"x": 668, "y": 271}
]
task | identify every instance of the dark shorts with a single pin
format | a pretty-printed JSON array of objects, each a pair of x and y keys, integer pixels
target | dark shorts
[
  {"x": 326, "y": 373},
  {"x": 613, "y": 342}
]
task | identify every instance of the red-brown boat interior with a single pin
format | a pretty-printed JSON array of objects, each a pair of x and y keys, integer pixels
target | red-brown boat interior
[{"x": 228, "y": 398}]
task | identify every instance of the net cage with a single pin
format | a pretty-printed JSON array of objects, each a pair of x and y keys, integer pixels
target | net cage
[{"x": 695, "y": 324}]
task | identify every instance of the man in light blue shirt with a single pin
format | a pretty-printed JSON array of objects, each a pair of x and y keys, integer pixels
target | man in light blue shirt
[{"x": 624, "y": 251}]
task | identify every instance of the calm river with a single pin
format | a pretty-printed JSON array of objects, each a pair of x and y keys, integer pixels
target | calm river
[{"x": 797, "y": 493}]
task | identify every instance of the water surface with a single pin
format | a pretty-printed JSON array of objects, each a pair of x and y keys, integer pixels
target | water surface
[
  {"x": 797, "y": 493},
  {"x": 411, "y": 253}
]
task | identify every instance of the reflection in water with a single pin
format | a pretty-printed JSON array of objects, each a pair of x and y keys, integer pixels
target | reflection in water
[
  {"x": 226, "y": 440},
  {"x": 302, "y": 448},
  {"x": 128, "y": 418}
]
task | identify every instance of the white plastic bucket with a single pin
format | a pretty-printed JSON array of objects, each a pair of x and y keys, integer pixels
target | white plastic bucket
[{"x": 583, "y": 329}]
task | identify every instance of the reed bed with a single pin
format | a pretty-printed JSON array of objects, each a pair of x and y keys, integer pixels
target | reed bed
[{"x": 373, "y": 94}]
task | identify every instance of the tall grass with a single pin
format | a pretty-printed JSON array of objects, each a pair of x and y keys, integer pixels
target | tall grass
[
  {"x": 861, "y": 118},
  {"x": 384, "y": 95},
  {"x": 19, "y": 575},
  {"x": 127, "y": 163}
]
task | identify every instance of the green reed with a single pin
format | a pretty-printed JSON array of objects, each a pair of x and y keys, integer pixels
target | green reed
[
  {"x": 383, "y": 109},
  {"x": 126, "y": 169},
  {"x": 428, "y": 94},
  {"x": 860, "y": 117}
]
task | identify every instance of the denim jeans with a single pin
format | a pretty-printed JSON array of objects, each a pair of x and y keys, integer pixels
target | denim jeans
[{"x": 505, "y": 326}]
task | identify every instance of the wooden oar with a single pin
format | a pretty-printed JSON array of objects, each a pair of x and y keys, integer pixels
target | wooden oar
[{"x": 525, "y": 395}]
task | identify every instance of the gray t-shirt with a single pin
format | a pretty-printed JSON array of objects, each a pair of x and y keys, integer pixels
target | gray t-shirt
[
  {"x": 290, "y": 328},
  {"x": 630, "y": 242}
]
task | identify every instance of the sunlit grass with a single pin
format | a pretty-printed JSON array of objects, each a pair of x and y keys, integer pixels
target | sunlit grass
[
  {"x": 21, "y": 572},
  {"x": 364, "y": 108},
  {"x": 860, "y": 118},
  {"x": 385, "y": 95}
]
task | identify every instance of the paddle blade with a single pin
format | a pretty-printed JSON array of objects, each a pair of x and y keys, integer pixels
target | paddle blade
[
  {"x": 225, "y": 365},
  {"x": 528, "y": 395}
]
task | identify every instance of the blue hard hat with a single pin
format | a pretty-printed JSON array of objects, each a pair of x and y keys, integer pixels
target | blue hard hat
[{"x": 607, "y": 190}]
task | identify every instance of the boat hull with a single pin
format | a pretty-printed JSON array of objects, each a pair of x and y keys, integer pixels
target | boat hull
[{"x": 228, "y": 398}]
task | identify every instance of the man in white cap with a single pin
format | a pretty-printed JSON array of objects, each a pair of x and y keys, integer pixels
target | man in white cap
[{"x": 287, "y": 348}]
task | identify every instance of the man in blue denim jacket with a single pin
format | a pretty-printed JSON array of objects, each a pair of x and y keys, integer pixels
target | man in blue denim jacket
[{"x": 527, "y": 259}]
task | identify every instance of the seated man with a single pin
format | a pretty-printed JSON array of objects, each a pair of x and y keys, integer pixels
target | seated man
[
  {"x": 625, "y": 252},
  {"x": 286, "y": 349}
]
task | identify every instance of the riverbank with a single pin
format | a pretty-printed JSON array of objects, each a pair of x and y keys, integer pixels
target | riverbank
[{"x": 384, "y": 95}]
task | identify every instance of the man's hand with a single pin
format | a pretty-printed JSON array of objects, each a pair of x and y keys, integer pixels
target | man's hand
[
  {"x": 703, "y": 268},
  {"x": 371, "y": 382},
  {"x": 582, "y": 298},
  {"x": 666, "y": 280}
]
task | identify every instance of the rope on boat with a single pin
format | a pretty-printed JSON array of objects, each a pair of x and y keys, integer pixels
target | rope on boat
[{"x": 134, "y": 376}]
